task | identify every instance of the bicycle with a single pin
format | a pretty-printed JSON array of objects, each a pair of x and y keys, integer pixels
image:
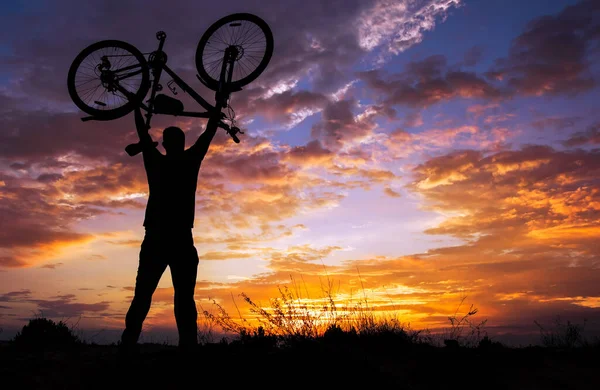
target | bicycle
[{"x": 117, "y": 75}]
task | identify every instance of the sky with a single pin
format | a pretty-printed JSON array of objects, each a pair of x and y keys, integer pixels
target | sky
[{"x": 413, "y": 153}]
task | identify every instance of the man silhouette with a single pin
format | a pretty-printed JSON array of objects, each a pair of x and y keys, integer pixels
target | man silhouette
[{"x": 169, "y": 220}]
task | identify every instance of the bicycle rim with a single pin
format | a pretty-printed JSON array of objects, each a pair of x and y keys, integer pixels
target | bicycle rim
[
  {"x": 90, "y": 84},
  {"x": 249, "y": 34}
]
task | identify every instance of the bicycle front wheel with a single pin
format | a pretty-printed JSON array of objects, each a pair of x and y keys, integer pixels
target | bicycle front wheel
[
  {"x": 103, "y": 74},
  {"x": 253, "y": 40}
]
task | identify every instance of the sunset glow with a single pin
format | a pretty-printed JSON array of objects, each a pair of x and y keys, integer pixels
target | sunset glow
[{"x": 406, "y": 154}]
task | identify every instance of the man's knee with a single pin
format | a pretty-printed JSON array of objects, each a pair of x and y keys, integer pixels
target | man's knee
[
  {"x": 184, "y": 281},
  {"x": 142, "y": 298},
  {"x": 185, "y": 299}
]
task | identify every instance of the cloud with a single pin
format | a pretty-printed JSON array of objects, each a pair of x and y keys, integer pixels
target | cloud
[
  {"x": 288, "y": 108},
  {"x": 473, "y": 56},
  {"x": 533, "y": 170},
  {"x": 65, "y": 306},
  {"x": 325, "y": 43},
  {"x": 555, "y": 123},
  {"x": 214, "y": 255},
  {"x": 400, "y": 143},
  {"x": 320, "y": 43},
  {"x": 13, "y": 296},
  {"x": 525, "y": 219},
  {"x": 340, "y": 125},
  {"x": 311, "y": 154},
  {"x": 259, "y": 166},
  {"x": 398, "y": 25},
  {"x": 530, "y": 214},
  {"x": 391, "y": 193},
  {"x": 40, "y": 216},
  {"x": 413, "y": 119},
  {"x": 591, "y": 136},
  {"x": 533, "y": 66},
  {"x": 427, "y": 82},
  {"x": 36, "y": 222},
  {"x": 52, "y": 265},
  {"x": 57, "y": 171},
  {"x": 551, "y": 56},
  {"x": 40, "y": 134},
  {"x": 112, "y": 186},
  {"x": 64, "y": 191}
]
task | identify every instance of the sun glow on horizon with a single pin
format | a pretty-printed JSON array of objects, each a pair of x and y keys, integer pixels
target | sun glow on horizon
[{"x": 400, "y": 161}]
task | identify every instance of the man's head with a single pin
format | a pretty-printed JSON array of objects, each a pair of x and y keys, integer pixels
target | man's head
[{"x": 173, "y": 140}]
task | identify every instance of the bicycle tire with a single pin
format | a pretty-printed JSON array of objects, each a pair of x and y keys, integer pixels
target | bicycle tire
[
  {"x": 207, "y": 76},
  {"x": 93, "y": 109}
]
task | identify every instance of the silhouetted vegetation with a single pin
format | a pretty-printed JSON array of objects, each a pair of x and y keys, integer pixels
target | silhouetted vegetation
[
  {"x": 295, "y": 341},
  {"x": 565, "y": 335},
  {"x": 43, "y": 333},
  {"x": 292, "y": 317}
]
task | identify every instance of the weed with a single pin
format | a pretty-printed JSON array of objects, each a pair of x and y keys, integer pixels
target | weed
[
  {"x": 293, "y": 317},
  {"x": 563, "y": 335},
  {"x": 463, "y": 331}
]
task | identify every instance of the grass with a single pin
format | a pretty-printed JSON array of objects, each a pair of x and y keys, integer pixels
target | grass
[
  {"x": 293, "y": 317},
  {"x": 565, "y": 335},
  {"x": 296, "y": 341}
]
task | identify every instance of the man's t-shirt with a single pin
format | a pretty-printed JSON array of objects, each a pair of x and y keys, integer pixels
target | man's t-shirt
[{"x": 172, "y": 184}]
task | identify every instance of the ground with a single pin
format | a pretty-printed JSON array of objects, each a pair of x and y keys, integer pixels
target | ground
[{"x": 313, "y": 364}]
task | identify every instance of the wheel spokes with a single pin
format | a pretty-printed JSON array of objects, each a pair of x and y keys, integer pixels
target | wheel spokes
[
  {"x": 99, "y": 73},
  {"x": 250, "y": 40}
]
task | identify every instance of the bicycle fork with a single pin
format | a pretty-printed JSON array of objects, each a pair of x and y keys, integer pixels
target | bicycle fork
[{"x": 223, "y": 92}]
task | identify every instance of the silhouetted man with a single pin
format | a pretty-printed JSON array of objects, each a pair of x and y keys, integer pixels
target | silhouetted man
[{"x": 169, "y": 220}]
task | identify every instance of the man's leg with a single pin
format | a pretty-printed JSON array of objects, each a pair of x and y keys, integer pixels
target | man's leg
[
  {"x": 151, "y": 267},
  {"x": 184, "y": 268}
]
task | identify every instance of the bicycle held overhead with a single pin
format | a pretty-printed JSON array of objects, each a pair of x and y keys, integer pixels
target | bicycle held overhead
[{"x": 108, "y": 78}]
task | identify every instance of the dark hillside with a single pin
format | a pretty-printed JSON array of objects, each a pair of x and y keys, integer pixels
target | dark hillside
[{"x": 343, "y": 362}]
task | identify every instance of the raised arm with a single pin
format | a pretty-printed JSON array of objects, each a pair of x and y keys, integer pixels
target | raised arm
[
  {"x": 145, "y": 143},
  {"x": 200, "y": 147},
  {"x": 142, "y": 131}
]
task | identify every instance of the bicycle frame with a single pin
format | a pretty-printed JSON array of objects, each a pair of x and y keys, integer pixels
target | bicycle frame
[
  {"x": 184, "y": 87},
  {"x": 157, "y": 64}
]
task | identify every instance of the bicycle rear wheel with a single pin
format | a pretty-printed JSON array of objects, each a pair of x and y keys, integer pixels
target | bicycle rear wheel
[
  {"x": 249, "y": 34},
  {"x": 103, "y": 74}
]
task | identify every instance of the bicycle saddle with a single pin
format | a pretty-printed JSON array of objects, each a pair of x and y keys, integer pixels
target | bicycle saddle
[{"x": 164, "y": 104}]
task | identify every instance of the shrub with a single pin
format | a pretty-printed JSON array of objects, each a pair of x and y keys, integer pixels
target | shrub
[
  {"x": 42, "y": 333},
  {"x": 563, "y": 335},
  {"x": 488, "y": 344}
]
